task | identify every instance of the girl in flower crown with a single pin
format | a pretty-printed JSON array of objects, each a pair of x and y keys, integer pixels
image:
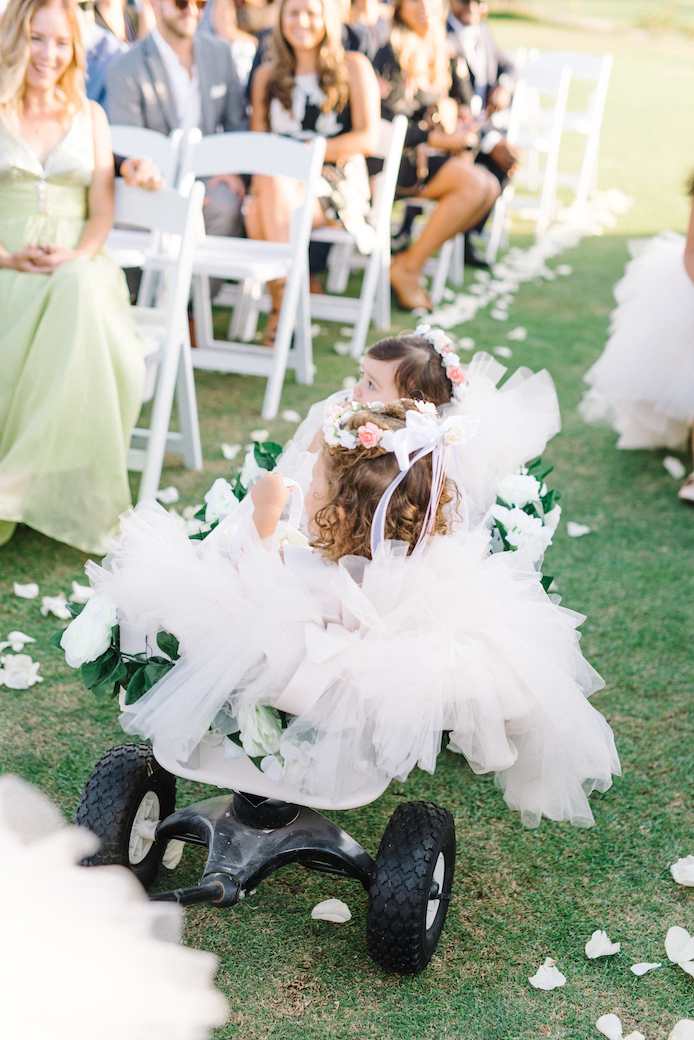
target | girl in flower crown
[
  {"x": 514, "y": 422},
  {"x": 347, "y": 661}
]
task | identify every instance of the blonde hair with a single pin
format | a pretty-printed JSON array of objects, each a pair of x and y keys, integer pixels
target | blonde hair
[
  {"x": 15, "y": 29},
  {"x": 424, "y": 61},
  {"x": 331, "y": 67}
]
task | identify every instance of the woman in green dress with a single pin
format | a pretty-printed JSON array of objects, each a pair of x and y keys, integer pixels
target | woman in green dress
[{"x": 71, "y": 362}]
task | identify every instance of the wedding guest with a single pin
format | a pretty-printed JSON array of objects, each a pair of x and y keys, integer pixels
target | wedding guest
[
  {"x": 370, "y": 21},
  {"x": 101, "y": 48},
  {"x": 124, "y": 20},
  {"x": 220, "y": 18},
  {"x": 72, "y": 362},
  {"x": 175, "y": 78},
  {"x": 255, "y": 16},
  {"x": 313, "y": 86},
  {"x": 415, "y": 75}
]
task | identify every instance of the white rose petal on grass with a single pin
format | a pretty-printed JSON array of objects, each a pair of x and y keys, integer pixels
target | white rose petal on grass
[
  {"x": 17, "y": 640},
  {"x": 682, "y": 871},
  {"x": 342, "y": 348},
  {"x": 332, "y": 910},
  {"x": 349, "y": 382},
  {"x": 682, "y": 1030},
  {"x": 611, "y": 1027},
  {"x": 29, "y": 591},
  {"x": 599, "y": 945},
  {"x": 504, "y": 352},
  {"x": 19, "y": 671},
  {"x": 679, "y": 945},
  {"x": 643, "y": 966},
  {"x": 89, "y": 635},
  {"x": 674, "y": 467},
  {"x": 316, "y": 330},
  {"x": 289, "y": 415},
  {"x": 519, "y": 334},
  {"x": 466, "y": 343},
  {"x": 80, "y": 593},
  {"x": 56, "y": 605},
  {"x": 230, "y": 451},
  {"x": 576, "y": 530},
  {"x": 168, "y": 495},
  {"x": 260, "y": 436},
  {"x": 547, "y": 976},
  {"x": 498, "y": 314},
  {"x": 563, "y": 270}
]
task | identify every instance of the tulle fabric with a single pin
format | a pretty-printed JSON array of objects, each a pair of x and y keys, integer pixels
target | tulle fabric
[
  {"x": 643, "y": 383},
  {"x": 375, "y": 658}
]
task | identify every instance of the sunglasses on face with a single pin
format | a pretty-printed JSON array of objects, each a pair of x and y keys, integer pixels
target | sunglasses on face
[{"x": 183, "y": 4}]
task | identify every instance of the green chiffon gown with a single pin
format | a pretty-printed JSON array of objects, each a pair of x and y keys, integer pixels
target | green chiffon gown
[{"x": 71, "y": 362}]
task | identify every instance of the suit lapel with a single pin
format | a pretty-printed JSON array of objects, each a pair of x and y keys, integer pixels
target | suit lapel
[
  {"x": 205, "y": 79},
  {"x": 160, "y": 82}
]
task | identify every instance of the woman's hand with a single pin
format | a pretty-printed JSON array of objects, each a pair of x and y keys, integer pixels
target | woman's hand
[
  {"x": 269, "y": 497},
  {"x": 38, "y": 259},
  {"x": 141, "y": 173}
]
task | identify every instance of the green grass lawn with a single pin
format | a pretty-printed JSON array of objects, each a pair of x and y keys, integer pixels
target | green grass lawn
[{"x": 519, "y": 895}]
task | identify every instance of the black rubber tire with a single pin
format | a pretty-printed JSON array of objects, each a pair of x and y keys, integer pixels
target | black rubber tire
[
  {"x": 111, "y": 797},
  {"x": 397, "y": 937}
]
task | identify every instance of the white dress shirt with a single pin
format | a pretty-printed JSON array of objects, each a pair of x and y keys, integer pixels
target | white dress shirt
[{"x": 185, "y": 88}]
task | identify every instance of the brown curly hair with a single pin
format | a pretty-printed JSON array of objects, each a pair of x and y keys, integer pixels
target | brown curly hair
[
  {"x": 420, "y": 373},
  {"x": 333, "y": 75},
  {"x": 357, "y": 479}
]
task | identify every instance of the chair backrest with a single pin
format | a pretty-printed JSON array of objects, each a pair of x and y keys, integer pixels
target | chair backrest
[
  {"x": 390, "y": 144},
  {"x": 248, "y": 152},
  {"x": 584, "y": 66},
  {"x": 136, "y": 142}
]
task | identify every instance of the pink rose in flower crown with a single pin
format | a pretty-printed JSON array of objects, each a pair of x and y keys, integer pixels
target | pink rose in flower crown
[
  {"x": 444, "y": 350},
  {"x": 370, "y": 434},
  {"x": 456, "y": 375}
]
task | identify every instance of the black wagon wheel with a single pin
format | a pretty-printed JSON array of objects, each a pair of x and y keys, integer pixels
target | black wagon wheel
[
  {"x": 411, "y": 887},
  {"x": 126, "y": 796}
]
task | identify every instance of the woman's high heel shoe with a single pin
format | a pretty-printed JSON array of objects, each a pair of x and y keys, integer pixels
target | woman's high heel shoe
[{"x": 406, "y": 286}]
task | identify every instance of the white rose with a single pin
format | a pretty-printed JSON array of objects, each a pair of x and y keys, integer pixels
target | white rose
[
  {"x": 261, "y": 730},
  {"x": 518, "y": 489},
  {"x": 89, "y": 635},
  {"x": 220, "y": 500},
  {"x": 251, "y": 471},
  {"x": 552, "y": 518},
  {"x": 523, "y": 531}
]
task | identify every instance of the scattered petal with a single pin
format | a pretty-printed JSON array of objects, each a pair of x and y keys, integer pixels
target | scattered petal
[
  {"x": 466, "y": 343},
  {"x": 168, "y": 495},
  {"x": 610, "y": 1026},
  {"x": 576, "y": 530},
  {"x": 289, "y": 415},
  {"x": 635, "y": 1036},
  {"x": 679, "y": 945},
  {"x": 547, "y": 976},
  {"x": 420, "y": 312},
  {"x": 674, "y": 467},
  {"x": 316, "y": 330},
  {"x": 346, "y": 330},
  {"x": 682, "y": 1030},
  {"x": 599, "y": 945},
  {"x": 563, "y": 270},
  {"x": 260, "y": 435},
  {"x": 498, "y": 314},
  {"x": 331, "y": 910},
  {"x": 56, "y": 605},
  {"x": 349, "y": 382},
  {"x": 19, "y": 671},
  {"x": 230, "y": 451},
  {"x": 687, "y": 966},
  {"x": 80, "y": 593},
  {"x": 342, "y": 348},
  {"x": 643, "y": 966},
  {"x": 17, "y": 640},
  {"x": 519, "y": 333},
  {"x": 504, "y": 352},
  {"x": 29, "y": 591},
  {"x": 172, "y": 856},
  {"x": 682, "y": 871}
]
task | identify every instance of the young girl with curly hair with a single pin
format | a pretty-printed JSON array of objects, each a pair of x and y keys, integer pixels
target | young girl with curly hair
[{"x": 361, "y": 650}]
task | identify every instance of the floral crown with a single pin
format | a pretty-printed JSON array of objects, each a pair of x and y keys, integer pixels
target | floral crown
[{"x": 450, "y": 361}]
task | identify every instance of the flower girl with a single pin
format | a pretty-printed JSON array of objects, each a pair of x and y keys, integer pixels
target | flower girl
[{"x": 348, "y": 660}]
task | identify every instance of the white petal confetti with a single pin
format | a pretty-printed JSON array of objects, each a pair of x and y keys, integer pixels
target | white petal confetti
[
  {"x": 504, "y": 352},
  {"x": 346, "y": 330},
  {"x": 576, "y": 530},
  {"x": 643, "y": 966},
  {"x": 80, "y": 593},
  {"x": 599, "y": 945},
  {"x": 682, "y": 1030},
  {"x": 349, "y": 382},
  {"x": 679, "y": 945},
  {"x": 466, "y": 343},
  {"x": 56, "y": 605},
  {"x": 289, "y": 415},
  {"x": 674, "y": 467},
  {"x": 682, "y": 871},
  {"x": 316, "y": 330},
  {"x": 17, "y": 640},
  {"x": 519, "y": 333},
  {"x": 260, "y": 435},
  {"x": 19, "y": 671},
  {"x": 230, "y": 451},
  {"x": 168, "y": 495},
  {"x": 687, "y": 966},
  {"x": 342, "y": 348},
  {"x": 29, "y": 591},
  {"x": 173, "y": 854},
  {"x": 610, "y": 1026},
  {"x": 331, "y": 910},
  {"x": 563, "y": 270},
  {"x": 547, "y": 976},
  {"x": 498, "y": 314}
]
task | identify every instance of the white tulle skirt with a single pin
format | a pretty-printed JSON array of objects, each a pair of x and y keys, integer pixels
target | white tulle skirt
[
  {"x": 643, "y": 383},
  {"x": 375, "y": 659}
]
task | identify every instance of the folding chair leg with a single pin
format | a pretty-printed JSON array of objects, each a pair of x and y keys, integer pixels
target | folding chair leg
[
  {"x": 250, "y": 326},
  {"x": 458, "y": 271},
  {"x": 372, "y": 277},
  {"x": 442, "y": 269},
  {"x": 382, "y": 318},
  {"x": 303, "y": 341},
  {"x": 280, "y": 354},
  {"x": 339, "y": 267},
  {"x": 187, "y": 407},
  {"x": 202, "y": 311},
  {"x": 159, "y": 424}
]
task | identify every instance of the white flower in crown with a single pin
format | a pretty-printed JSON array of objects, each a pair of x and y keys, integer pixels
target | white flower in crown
[
  {"x": 451, "y": 362},
  {"x": 426, "y": 408},
  {"x": 452, "y": 430},
  {"x": 437, "y": 337}
]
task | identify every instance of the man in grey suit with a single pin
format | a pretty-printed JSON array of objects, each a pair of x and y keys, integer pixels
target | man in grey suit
[{"x": 177, "y": 78}]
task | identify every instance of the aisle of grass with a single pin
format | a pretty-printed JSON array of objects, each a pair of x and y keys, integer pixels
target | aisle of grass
[{"x": 519, "y": 895}]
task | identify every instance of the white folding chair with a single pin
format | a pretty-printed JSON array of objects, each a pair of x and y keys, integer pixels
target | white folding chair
[
  {"x": 254, "y": 263},
  {"x": 537, "y": 129},
  {"x": 165, "y": 330},
  {"x": 374, "y": 298}
]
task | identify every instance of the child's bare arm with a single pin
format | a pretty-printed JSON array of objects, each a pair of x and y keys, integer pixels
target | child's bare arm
[{"x": 269, "y": 497}]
